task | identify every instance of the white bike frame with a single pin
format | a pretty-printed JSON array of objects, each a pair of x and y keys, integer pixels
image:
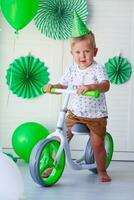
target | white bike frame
[{"x": 60, "y": 134}]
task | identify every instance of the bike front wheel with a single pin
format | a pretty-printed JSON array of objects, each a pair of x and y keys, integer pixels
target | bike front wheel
[{"x": 42, "y": 158}]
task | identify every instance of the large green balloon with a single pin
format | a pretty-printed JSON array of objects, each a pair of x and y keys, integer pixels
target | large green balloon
[
  {"x": 19, "y": 13},
  {"x": 26, "y": 136}
]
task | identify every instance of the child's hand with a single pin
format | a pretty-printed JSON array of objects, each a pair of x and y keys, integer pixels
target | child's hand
[
  {"x": 47, "y": 88},
  {"x": 82, "y": 89}
]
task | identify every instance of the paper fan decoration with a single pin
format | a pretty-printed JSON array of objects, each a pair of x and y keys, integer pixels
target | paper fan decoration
[
  {"x": 54, "y": 18},
  {"x": 26, "y": 75},
  {"x": 118, "y": 70}
]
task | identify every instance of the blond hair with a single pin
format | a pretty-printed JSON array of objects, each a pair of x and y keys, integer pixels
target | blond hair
[{"x": 89, "y": 36}]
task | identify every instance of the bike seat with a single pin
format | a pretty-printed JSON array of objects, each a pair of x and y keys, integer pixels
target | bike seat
[{"x": 80, "y": 129}]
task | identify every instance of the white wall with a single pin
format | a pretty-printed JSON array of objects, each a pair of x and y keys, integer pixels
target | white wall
[{"x": 112, "y": 21}]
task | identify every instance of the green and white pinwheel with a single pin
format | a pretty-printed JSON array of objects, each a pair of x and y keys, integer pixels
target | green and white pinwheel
[
  {"x": 55, "y": 18},
  {"x": 26, "y": 75},
  {"x": 118, "y": 70}
]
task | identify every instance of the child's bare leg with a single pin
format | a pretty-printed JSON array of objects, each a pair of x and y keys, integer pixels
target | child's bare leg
[
  {"x": 47, "y": 172},
  {"x": 69, "y": 135},
  {"x": 100, "y": 157}
]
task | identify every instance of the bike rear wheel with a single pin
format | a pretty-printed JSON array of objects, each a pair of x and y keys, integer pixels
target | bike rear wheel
[{"x": 89, "y": 154}]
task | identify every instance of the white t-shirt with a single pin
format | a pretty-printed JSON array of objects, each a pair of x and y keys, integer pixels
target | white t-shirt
[{"x": 84, "y": 106}]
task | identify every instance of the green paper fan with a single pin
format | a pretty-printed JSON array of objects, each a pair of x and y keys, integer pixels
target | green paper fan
[
  {"x": 54, "y": 18},
  {"x": 118, "y": 70},
  {"x": 26, "y": 75}
]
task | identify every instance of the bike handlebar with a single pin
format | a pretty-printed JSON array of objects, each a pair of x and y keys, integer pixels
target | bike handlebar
[{"x": 95, "y": 93}]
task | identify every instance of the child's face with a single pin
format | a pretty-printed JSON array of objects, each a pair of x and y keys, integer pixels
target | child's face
[{"x": 83, "y": 53}]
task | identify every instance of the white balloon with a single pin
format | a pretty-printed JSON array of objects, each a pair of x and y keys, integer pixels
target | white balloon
[{"x": 11, "y": 183}]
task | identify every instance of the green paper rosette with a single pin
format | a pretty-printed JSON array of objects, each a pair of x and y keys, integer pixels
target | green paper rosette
[
  {"x": 26, "y": 75},
  {"x": 55, "y": 18},
  {"x": 118, "y": 69}
]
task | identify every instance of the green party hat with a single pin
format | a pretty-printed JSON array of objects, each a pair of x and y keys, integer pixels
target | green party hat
[{"x": 79, "y": 28}]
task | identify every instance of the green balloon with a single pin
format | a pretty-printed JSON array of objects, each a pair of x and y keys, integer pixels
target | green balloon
[
  {"x": 26, "y": 136},
  {"x": 19, "y": 13}
]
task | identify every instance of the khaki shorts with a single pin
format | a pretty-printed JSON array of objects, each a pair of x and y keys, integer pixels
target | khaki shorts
[{"x": 96, "y": 125}]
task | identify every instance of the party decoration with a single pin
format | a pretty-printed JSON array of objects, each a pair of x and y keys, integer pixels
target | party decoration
[
  {"x": 11, "y": 156},
  {"x": 54, "y": 18},
  {"x": 25, "y": 136},
  {"x": 79, "y": 28},
  {"x": 19, "y": 13},
  {"x": 118, "y": 70},
  {"x": 11, "y": 182},
  {"x": 26, "y": 75}
]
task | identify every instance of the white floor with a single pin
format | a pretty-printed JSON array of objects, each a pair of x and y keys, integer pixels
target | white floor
[{"x": 83, "y": 185}]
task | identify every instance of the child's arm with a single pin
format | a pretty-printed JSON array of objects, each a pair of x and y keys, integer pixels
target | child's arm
[
  {"x": 48, "y": 87},
  {"x": 102, "y": 87}
]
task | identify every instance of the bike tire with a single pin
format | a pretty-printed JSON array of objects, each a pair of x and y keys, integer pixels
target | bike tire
[
  {"x": 89, "y": 154},
  {"x": 42, "y": 158}
]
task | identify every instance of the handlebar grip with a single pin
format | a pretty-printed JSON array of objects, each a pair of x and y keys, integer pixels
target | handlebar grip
[
  {"x": 95, "y": 93},
  {"x": 43, "y": 91}
]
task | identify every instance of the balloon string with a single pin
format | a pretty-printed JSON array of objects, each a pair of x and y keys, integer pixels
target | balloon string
[
  {"x": 62, "y": 56},
  {"x": 29, "y": 58},
  {"x": 62, "y": 63},
  {"x": 13, "y": 57}
]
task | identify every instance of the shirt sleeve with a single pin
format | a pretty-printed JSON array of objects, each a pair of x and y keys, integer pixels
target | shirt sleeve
[
  {"x": 101, "y": 73},
  {"x": 65, "y": 79}
]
